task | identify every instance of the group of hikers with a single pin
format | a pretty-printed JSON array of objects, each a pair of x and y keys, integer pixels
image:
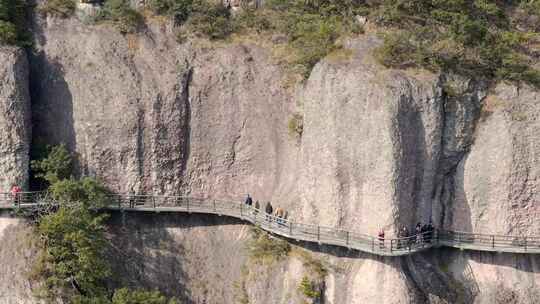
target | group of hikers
[
  {"x": 421, "y": 234},
  {"x": 280, "y": 213}
]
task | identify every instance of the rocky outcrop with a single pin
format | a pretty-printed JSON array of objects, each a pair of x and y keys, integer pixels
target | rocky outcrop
[
  {"x": 146, "y": 113},
  {"x": 371, "y": 144},
  {"x": 15, "y": 125},
  {"x": 496, "y": 184},
  {"x": 18, "y": 253}
]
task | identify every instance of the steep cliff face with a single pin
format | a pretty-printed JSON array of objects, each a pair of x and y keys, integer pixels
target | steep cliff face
[
  {"x": 149, "y": 114},
  {"x": 15, "y": 125},
  {"x": 18, "y": 252},
  {"x": 372, "y": 144},
  {"x": 496, "y": 185},
  {"x": 380, "y": 149}
]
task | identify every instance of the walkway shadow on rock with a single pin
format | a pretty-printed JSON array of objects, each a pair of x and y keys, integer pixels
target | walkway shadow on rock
[
  {"x": 145, "y": 255},
  {"x": 172, "y": 219}
]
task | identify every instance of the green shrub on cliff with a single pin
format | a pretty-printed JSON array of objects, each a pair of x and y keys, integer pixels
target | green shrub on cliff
[
  {"x": 75, "y": 242},
  {"x": 309, "y": 289},
  {"x": 59, "y": 8},
  {"x": 209, "y": 18},
  {"x": 119, "y": 12},
  {"x": 13, "y": 29},
  {"x": 474, "y": 38},
  {"x": 263, "y": 248},
  {"x": 72, "y": 264},
  {"x": 54, "y": 165},
  {"x": 296, "y": 125},
  {"x": 126, "y": 296},
  {"x": 179, "y": 10}
]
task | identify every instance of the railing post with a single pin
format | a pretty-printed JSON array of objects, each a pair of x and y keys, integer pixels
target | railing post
[
  {"x": 215, "y": 209},
  {"x": 154, "y": 201},
  {"x": 241, "y": 208},
  {"x": 391, "y": 245},
  {"x": 187, "y": 204},
  {"x": 347, "y": 242},
  {"x": 525, "y": 243},
  {"x": 372, "y": 242},
  {"x": 492, "y": 241},
  {"x": 318, "y": 233}
]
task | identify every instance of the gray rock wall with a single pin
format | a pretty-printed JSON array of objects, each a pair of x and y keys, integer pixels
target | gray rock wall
[
  {"x": 147, "y": 113},
  {"x": 15, "y": 125},
  {"x": 371, "y": 145},
  {"x": 496, "y": 184}
]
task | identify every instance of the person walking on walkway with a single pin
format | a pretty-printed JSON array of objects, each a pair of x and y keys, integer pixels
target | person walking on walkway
[
  {"x": 16, "y": 194},
  {"x": 381, "y": 238},
  {"x": 430, "y": 230},
  {"x": 424, "y": 232},
  {"x": 405, "y": 240},
  {"x": 131, "y": 197},
  {"x": 249, "y": 200},
  {"x": 279, "y": 215},
  {"x": 269, "y": 211},
  {"x": 418, "y": 231}
]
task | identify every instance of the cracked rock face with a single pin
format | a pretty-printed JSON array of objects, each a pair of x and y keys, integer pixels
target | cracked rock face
[
  {"x": 149, "y": 114},
  {"x": 114, "y": 102},
  {"x": 371, "y": 145},
  {"x": 497, "y": 183},
  {"x": 15, "y": 125}
]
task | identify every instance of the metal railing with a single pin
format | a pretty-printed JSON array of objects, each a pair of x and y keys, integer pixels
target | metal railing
[{"x": 294, "y": 230}]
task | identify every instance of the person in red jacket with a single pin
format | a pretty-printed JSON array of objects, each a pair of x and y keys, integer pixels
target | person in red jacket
[{"x": 15, "y": 193}]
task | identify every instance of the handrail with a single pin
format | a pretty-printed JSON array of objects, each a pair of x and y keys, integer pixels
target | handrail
[{"x": 296, "y": 231}]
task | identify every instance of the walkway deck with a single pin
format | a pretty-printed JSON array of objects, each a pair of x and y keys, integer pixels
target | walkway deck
[{"x": 298, "y": 231}]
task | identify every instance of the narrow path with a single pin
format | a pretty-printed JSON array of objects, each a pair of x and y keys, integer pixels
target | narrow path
[{"x": 298, "y": 231}]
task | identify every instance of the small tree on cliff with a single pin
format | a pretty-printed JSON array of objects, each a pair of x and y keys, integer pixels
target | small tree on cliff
[{"x": 55, "y": 166}]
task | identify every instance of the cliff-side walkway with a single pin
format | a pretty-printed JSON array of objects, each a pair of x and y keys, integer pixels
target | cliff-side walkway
[{"x": 298, "y": 231}]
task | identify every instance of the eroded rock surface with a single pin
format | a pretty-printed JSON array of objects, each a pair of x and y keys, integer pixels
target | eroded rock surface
[
  {"x": 497, "y": 183},
  {"x": 15, "y": 125}
]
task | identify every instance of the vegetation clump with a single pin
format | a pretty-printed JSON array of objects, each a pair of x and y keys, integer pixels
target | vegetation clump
[
  {"x": 296, "y": 125},
  {"x": 309, "y": 289},
  {"x": 72, "y": 265},
  {"x": 119, "y": 12},
  {"x": 208, "y": 18},
  {"x": 13, "y": 30},
  {"x": 263, "y": 248},
  {"x": 59, "y": 8},
  {"x": 474, "y": 38}
]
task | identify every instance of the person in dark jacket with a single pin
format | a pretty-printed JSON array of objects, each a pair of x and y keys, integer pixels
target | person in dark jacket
[
  {"x": 256, "y": 209},
  {"x": 249, "y": 200},
  {"x": 405, "y": 237},
  {"x": 424, "y": 233},
  {"x": 418, "y": 231},
  {"x": 381, "y": 238},
  {"x": 430, "y": 230},
  {"x": 268, "y": 210}
]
